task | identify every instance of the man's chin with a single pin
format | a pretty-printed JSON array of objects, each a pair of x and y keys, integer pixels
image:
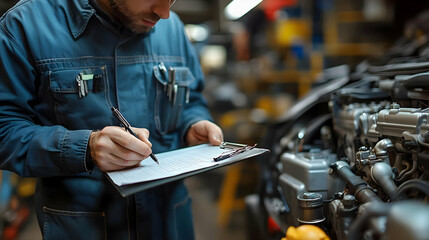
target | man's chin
[{"x": 139, "y": 28}]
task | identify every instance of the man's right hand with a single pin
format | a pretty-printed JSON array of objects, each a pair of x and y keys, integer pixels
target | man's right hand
[{"x": 114, "y": 149}]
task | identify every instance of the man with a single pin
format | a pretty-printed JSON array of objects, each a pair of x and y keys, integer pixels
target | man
[{"x": 64, "y": 64}]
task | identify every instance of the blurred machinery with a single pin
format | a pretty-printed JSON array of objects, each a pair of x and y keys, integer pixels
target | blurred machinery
[
  {"x": 16, "y": 200},
  {"x": 352, "y": 157}
]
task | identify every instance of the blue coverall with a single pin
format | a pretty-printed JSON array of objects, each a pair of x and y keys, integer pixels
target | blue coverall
[{"x": 46, "y": 46}]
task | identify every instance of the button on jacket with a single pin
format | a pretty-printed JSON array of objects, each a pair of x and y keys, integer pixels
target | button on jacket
[{"x": 63, "y": 65}]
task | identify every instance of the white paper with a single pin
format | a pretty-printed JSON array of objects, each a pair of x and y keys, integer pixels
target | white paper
[{"x": 176, "y": 162}]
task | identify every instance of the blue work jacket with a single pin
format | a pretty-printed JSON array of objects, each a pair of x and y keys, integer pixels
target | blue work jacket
[{"x": 63, "y": 65}]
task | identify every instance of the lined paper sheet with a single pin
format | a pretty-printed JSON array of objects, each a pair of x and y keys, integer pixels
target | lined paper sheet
[{"x": 176, "y": 162}]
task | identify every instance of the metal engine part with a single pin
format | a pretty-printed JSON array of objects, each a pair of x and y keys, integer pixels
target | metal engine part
[
  {"x": 304, "y": 173},
  {"x": 360, "y": 171}
]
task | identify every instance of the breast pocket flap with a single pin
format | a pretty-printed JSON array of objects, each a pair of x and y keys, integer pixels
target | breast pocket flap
[
  {"x": 183, "y": 76},
  {"x": 65, "y": 81}
]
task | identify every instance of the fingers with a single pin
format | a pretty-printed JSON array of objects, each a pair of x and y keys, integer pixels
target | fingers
[
  {"x": 203, "y": 132},
  {"x": 112, "y": 166},
  {"x": 215, "y": 139},
  {"x": 215, "y": 134},
  {"x": 123, "y": 153},
  {"x": 110, "y": 162},
  {"x": 143, "y": 135},
  {"x": 113, "y": 148},
  {"x": 140, "y": 145}
]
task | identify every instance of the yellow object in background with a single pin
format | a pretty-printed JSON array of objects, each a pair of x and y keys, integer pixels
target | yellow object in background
[
  {"x": 305, "y": 232},
  {"x": 26, "y": 187},
  {"x": 292, "y": 31}
]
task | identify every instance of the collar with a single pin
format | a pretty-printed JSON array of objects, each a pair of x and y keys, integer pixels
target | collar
[
  {"x": 80, "y": 14},
  {"x": 108, "y": 21}
]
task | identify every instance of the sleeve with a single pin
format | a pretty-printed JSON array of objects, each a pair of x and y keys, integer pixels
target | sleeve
[
  {"x": 28, "y": 148},
  {"x": 196, "y": 110}
]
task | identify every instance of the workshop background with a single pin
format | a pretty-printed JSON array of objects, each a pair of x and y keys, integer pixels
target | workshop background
[{"x": 256, "y": 67}]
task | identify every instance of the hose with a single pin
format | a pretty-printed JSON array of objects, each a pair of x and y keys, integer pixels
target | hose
[
  {"x": 362, "y": 221},
  {"x": 416, "y": 184},
  {"x": 359, "y": 187},
  {"x": 408, "y": 173}
]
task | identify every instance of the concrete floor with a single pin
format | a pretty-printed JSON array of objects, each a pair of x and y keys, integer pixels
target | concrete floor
[{"x": 204, "y": 190}]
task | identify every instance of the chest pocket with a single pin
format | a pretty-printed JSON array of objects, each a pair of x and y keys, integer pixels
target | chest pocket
[
  {"x": 172, "y": 94},
  {"x": 80, "y": 97}
]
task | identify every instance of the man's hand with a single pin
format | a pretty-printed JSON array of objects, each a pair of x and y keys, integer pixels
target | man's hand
[
  {"x": 114, "y": 149},
  {"x": 204, "y": 132}
]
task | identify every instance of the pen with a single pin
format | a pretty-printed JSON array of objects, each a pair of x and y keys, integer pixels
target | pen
[{"x": 127, "y": 126}]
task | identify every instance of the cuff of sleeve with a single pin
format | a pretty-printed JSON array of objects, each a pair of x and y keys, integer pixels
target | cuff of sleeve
[
  {"x": 89, "y": 162},
  {"x": 74, "y": 151}
]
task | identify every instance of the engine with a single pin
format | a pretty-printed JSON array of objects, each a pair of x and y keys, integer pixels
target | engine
[{"x": 353, "y": 156}]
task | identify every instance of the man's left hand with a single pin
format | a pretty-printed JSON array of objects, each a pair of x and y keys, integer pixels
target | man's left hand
[{"x": 204, "y": 132}]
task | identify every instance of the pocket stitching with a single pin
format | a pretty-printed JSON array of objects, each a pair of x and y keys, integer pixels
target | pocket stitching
[
  {"x": 66, "y": 213},
  {"x": 72, "y": 89},
  {"x": 72, "y": 213},
  {"x": 186, "y": 200},
  {"x": 159, "y": 104},
  {"x": 181, "y": 83}
]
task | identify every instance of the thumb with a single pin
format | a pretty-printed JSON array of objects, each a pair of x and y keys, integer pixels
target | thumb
[{"x": 215, "y": 135}]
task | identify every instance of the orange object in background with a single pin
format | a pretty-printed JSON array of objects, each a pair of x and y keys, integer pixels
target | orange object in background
[{"x": 305, "y": 232}]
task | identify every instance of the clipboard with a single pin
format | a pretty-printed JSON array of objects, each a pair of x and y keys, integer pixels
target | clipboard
[{"x": 208, "y": 152}]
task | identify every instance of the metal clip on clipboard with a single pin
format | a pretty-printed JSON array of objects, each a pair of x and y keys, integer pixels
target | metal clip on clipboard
[
  {"x": 231, "y": 145},
  {"x": 236, "y": 149}
]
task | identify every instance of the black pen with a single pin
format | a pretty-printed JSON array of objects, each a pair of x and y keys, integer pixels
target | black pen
[{"x": 127, "y": 126}]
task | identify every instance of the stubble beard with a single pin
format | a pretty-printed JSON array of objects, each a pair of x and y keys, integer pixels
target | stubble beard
[{"x": 122, "y": 13}]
